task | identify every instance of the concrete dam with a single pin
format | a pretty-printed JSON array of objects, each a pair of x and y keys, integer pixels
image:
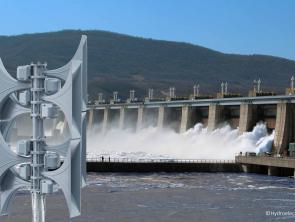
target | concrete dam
[
  {"x": 180, "y": 114},
  {"x": 239, "y": 112}
]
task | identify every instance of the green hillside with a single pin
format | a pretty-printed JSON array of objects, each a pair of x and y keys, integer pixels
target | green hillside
[{"x": 121, "y": 62}]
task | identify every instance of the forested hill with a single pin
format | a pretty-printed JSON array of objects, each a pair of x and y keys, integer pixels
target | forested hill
[{"x": 120, "y": 62}]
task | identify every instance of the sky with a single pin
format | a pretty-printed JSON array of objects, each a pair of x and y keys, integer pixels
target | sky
[{"x": 230, "y": 26}]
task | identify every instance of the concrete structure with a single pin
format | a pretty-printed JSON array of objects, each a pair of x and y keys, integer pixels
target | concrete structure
[
  {"x": 161, "y": 117},
  {"x": 105, "y": 120},
  {"x": 243, "y": 112},
  {"x": 90, "y": 119},
  {"x": 272, "y": 171},
  {"x": 215, "y": 116},
  {"x": 247, "y": 117},
  {"x": 116, "y": 165},
  {"x": 186, "y": 113},
  {"x": 122, "y": 118},
  {"x": 139, "y": 123},
  {"x": 284, "y": 131},
  {"x": 272, "y": 166}
]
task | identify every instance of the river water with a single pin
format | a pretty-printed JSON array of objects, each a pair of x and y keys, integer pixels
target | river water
[
  {"x": 180, "y": 197},
  {"x": 174, "y": 197}
]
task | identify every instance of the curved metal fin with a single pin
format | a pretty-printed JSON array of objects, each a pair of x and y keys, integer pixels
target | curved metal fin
[
  {"x": 8, "y": 182},
  {"x": 8, "y": 158},
  {"x": 61, "y": 149},
  {"x": 8, "y": 84},
  {"x": 60, "y": 73},
  {"x": 68, "y": 178},
  {"x": 81, "y": 55},
  {"x": 77, "y": 70},
  {"x": 69, "y": 100},
  {"x": 65, "y": 71},
  {"x": 83, "y": 150},
  {"x": 11, "y": 184}
]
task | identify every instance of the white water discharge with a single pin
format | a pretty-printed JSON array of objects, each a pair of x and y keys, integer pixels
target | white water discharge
[{"x": 196, "y": 143}]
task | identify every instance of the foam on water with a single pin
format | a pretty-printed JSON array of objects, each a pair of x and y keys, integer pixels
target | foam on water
[{"x": 196, "y": 143}]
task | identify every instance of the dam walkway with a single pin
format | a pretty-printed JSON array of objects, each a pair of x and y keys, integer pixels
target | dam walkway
[{"x": 272, "y": 166}]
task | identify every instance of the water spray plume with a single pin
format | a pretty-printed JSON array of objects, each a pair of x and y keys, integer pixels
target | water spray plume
[{"x": 195, "y": 143}]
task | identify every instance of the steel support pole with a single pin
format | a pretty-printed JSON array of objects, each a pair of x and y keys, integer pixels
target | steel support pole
[{"x": 38, "y": 152}]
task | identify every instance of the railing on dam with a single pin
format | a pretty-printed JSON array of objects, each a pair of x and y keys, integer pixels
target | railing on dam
[
  {"x": 180, "y": 161},
  {"x": 161, "y": 165},
  {"x": 200, "y": 102}
]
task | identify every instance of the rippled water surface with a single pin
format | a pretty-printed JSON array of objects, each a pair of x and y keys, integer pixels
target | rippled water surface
[{"x": 175, "y": 197}]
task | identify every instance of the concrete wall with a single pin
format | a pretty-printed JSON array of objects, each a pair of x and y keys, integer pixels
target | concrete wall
[
  {"x": 161, "y": 117},
  {"x": 186, "y": 116},
  {"x": 267, "y": 165},
  {"x": 105, "y": 120},
  {"x": 122, "y": 118},
  {"x": 90, "y": 119},
  {"x": 284, "y": 131},
  {"x": 215, "y": 116},
  {"x": 161, "y": 167},
  {"x": 247, "y": 117},
  {"x": 139, "y": 122},
  {"x": 267, "y": 161}
]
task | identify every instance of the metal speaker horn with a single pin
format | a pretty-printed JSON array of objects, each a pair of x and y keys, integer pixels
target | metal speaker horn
[
  {"x": 36, "y": 166},
  {"x": 78, "y": 62},
  {"x": 8, "y": 159},
  {"x": 68, "y": 179}
]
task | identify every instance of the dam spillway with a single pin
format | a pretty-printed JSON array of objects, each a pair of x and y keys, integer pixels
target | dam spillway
[{"x": 180, "y": 115}]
